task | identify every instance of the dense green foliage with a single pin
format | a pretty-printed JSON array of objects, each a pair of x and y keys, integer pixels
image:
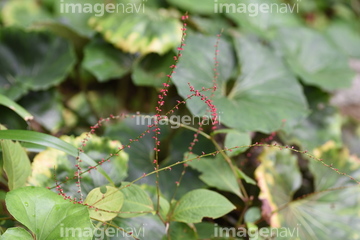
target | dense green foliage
[{"x": 77, "y": 89}]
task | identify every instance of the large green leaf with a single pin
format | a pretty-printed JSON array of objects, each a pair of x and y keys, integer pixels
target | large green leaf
[
  {"x": 16, "y": 233},
  {"x": 106, "y": 62},
  {"x": 313, "y": 58},
  {"x": 74, "y": 14},
  {"x": 16, "y": 163},
  {"x": 24, "y": 13},
  {"x": 47, "y": 108},
  {"x": 262, "y": 96},
  {"x": 47, "y": 214},
  {"x": 200, "y": 6},
  {"x": 137, "y": 201},
  {"x": 262, "y": 17},
  {"x": 200, "y": 203},
  {"x": 105, "y": 202},
  {"x": 345, "y": 37},
  {"x": 152, "y": 69},
  {"x": 210, "y": 167},
  {"x": 140, "y": 32},
  {"x": 324, "y": 214},
  {"x": 32, "y": 61}
]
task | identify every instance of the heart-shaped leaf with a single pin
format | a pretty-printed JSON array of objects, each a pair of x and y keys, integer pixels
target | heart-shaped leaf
[
  {"x": 47, "y": 214},
  {"x": 32, "y": 61},
  {"x": 330, "y": 212},
  {"x": 260, "y": 98}
]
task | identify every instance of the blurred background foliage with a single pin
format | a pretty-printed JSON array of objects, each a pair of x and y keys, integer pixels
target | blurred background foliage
[{"x": 296, "y": 74}]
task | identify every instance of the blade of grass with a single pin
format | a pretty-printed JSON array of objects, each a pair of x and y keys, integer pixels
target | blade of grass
[
  {"x": 7, "y": 102},
  {"x": 50, "y": 141}
]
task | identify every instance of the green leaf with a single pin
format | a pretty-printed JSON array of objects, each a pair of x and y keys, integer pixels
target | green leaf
[
  {"x": 242, "y": 175},
  {"x": 137, "y": 202},
  {"x": 78, "y": 21},
  {"x": 49, "y": 141},
  {"x": 180, "y": 231},
  {"x": 24, "y": 13},
  {"x": 252, "y": 215},
  {"x": 313, "y": 58},
  {"x": 15, "y": 107},
  {"x": 251, "y": 17},
  {"x": 104, "y": 206},
  {"x": 199, "y": 6},
  {"x": 16, "y": 163},
  {"x": 142, "y": 227},
  {"x": 140, "y": 32},
  {"x": 47, "y": 108},
  {"x": 260, "y": 98},
  {"x": 200, "y": 203},
  {"x": 16, "y": 233},
  {"x": 345, "y": 37},
  {"x": 47, "y": 214},
  {"x": 236, "y": 139},
  {"x": 105, "y": 62},
  {"x": 210, "y": 167},
  {"x": 338, "y": 210},
  {"x": 323, "y": 124},
  {"x": 278, "y": 173},
  {"x": 32, "y": 61},
  {"x": 152, "y": 69}
]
